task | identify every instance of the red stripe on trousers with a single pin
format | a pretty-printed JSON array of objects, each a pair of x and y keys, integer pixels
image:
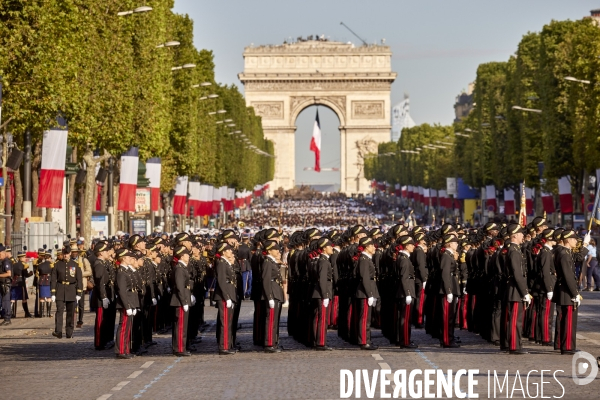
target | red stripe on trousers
[
  {"x": 464, "y": 311},
  {"x": 180, "y": 333},
  {"x": 446, "y": 321},
  {"x": 123, "y": 329},
  {"x": 533, "y": 318},
  {"x": 406, "y": 323},
  {"x": 225, "y": 327},
  {"x": 98, "y": 323},
  {"x": 364, "y": 324},
  {"x": 323, "y": 313},
  {"x": 270, "y": 334},
  {"x": 336, "y": 299},
  {"x": 513, "y": 327},
  {"x": 546, "y": 318},
  {"x": 350, "y": 318},
  {"x": 421, "y": 303},
  {"x": 568, "y": 327}
]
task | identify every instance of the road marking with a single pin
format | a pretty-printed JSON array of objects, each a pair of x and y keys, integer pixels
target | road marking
[
  {"x": 424, "y": 357},
  {"x": 134, "y": 375},
  {"x": 120, "y": 385},
  {"x": 156, "y": 379},
  {"x": 377, "y": 357},
  {"x": 596, "y": 342},
  {"x": 104, "y": 397},
  {"x": 147, "y": 364},
  {"x": 384, "y": 366}
]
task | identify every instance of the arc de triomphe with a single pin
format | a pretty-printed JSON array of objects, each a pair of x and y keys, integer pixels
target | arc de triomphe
[{"x": 355, "y": 82}]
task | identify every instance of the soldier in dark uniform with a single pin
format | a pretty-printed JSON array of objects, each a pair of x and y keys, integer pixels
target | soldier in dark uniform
[
  {"x": 272, "y": 294},
  {"x": 146, "y": 279},
  {"x": 419, "y": 261},
  {"x": 322, "y": 292},
  {"x": 225, "y": 296},
  {"x": 127, "y": 302},
  {"x": 366, "y": 295},
  {"x": 43, "y": 272},
  {"x": 448, "y": 290},
  {"x": 244, "y": 255},
  {"x": 181, "y": 300},
  {"x": 18, "y": 288},
  {"x": 517, "y": 293},
  {"x": 332, "y": 320},
  {"x": 104, "y": 295},
  {"x": 405, "y": 291},
  {"x": 257, "y": 289},
  {"x": 5, "y": 283},
  {"x": 231, "y": 238},
  {"x": 546, "y": 282},
  {"x": 463, "y": 277},
  {"x": 566, "y": 293},
  {"x": 66, "y": 286}
]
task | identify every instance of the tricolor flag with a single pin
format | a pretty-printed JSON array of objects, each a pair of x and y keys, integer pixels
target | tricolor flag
[
  {"x": 404, "y": 191},
  {"x": 398, "y": 190},
  {"x": 216, "y": 200},
  {"x": 195, "y": 198},
  {"x": 206, "y": 193},
  {"x": 52, "y": 174},
  {"x": 229, "y": 203},
  {"x": 181, "y": 191},
  {"x": 509, "y": 202},
  {"x": 565, "y": 196},
  {"x": 128, "y": 181},
  {"x": 315, "y": 143},
  {"x": 153, "y": 169},
  {"x": 490, "y": 198}
]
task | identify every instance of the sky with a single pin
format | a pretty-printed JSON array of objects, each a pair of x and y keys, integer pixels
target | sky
[{"x": 436, "y": 46}]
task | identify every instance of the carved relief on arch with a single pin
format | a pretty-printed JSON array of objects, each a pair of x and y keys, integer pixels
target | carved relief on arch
[{"x": 336, "y": 103}]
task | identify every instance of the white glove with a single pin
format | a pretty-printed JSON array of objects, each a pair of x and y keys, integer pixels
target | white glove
[
  {"x": 158, "y": 296},
  {"x": 193, "y": 299},
  {"x": 53, "y": 298},
  {"x": 424, "y": 285},
  {"x": 586, "y": 239},
  {"x": 134, "y": 311},
  {"x": 549, "y": 295},
  {"x": 325, "y": 302},
  {"x": 371, "y": 301},
  {"x": 408, "y": 300},
  {"x": 77, "y": 298},
  {"x": 449, "y": 297},
  {"x": 168, "y": 289},
  {"x": 271, "y": 303},
  {"x": 105, "y": 303},
  {"x": 154, "y": 302},
  {"x": 229, "y": 304},
  {"x": 464, "y": 290},
  {"x": 186, "y": 308},
  {"x": 129, "y": 312},
  {"x": 374, "y": 301},
  {"x": 576, "y": 301}
]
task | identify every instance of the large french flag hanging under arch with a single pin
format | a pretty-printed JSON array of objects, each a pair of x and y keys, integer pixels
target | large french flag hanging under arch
[
  {"x": 128, "y": 182},
  {"x": 52, "y": 174},
  {"x": 315, "y": 143}
]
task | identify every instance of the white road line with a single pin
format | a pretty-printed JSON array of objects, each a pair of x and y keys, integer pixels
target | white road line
[
  {"x": 384, "y": 366},
  {"x": 156, "y": 379},
  {"x": 377, "y": 357},
  {"x": 120, "y": 385},
  {"x": 104, "y": 397},
  {"x": 581, "y": 337},
  {"x": 147, "y": 364},
  {"x": 134, "y": 375}
]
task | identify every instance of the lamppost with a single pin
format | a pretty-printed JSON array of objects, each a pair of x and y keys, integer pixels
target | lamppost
[{"x": 138, "y": 10}]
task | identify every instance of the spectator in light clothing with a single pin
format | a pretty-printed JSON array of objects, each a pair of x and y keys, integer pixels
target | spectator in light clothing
[{"x": 593, "y": 270}]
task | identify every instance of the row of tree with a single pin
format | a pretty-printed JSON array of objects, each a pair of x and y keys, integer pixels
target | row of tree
[
  {"x": 501, "y": 144},
  {"x": 113, "y": 82}
]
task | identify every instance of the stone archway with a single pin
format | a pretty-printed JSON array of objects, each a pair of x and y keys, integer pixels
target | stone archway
[{"x": 354, "y": 82}]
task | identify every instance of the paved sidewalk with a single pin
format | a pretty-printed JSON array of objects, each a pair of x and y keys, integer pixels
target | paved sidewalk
[{"x": 34, "y": 364}]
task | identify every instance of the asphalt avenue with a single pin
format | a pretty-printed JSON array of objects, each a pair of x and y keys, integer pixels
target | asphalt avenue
[{"x": 34, "y": 364}]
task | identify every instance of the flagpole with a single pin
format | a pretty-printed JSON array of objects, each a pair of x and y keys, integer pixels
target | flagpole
[{"x": 595, "y": 209}]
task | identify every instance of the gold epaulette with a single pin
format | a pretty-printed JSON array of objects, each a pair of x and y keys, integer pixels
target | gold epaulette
[
  {"x": 51, "y": 264},
  {"x": 463, "y": 258}
]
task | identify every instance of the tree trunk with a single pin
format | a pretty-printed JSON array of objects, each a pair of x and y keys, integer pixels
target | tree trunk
[
  {"x": 36, "y": 160},
  {"x": 18, "y": 211},
  {"x": 48, "y": 215},
  {"x": 90, "y": 192}
]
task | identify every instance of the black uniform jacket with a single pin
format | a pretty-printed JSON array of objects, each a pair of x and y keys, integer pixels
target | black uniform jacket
[
  {"x": 104, "y": 281},
  {"x": 448, "y": 268},
  {"x": 405, "y": 278},
  {"x": 419, "y": 260},
  {"x": 516, "y": 266},
  {"x": 226, "y": 281},
  {"x": 323, "y": 285},
  {"x": 271, "y": 280},
  {"x": 126, "y": 295},
  {"x": 66, "y": 281},
  {"x": 546, "y": 269},
  {"x": 181, "y": 295},
  {"x": 565, "y": 288},
  {"x": 365, "y": 274}
]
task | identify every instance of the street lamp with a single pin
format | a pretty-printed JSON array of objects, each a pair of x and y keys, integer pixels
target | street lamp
[
  {"x": 168, "y": 44},
  {"x": 571, "y": 79},
  {"x": 136, "y": 10},
  {"x": 203, "y": 84},
  {"x": 461, "y": 134},
  {"x": 533, "y": 110},
  {"x": 184, "y": 66}
]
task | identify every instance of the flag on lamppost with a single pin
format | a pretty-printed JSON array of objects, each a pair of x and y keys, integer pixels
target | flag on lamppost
[
  {"x": 315, "y": 143},
  {"x": 153, "y": 170},
  {"x": 128, "y": 180},
  {"x": 52, "y": 174},
  {"x": 180, "y": 199}
]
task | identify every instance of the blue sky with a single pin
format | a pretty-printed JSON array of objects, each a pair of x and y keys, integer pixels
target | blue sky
[{"x": 436, "y": 45}]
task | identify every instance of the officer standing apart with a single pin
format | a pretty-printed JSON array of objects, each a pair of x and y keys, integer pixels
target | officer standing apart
[
  {"x": 5, "y": 282},
  {"x": 66, "y": 286}
]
